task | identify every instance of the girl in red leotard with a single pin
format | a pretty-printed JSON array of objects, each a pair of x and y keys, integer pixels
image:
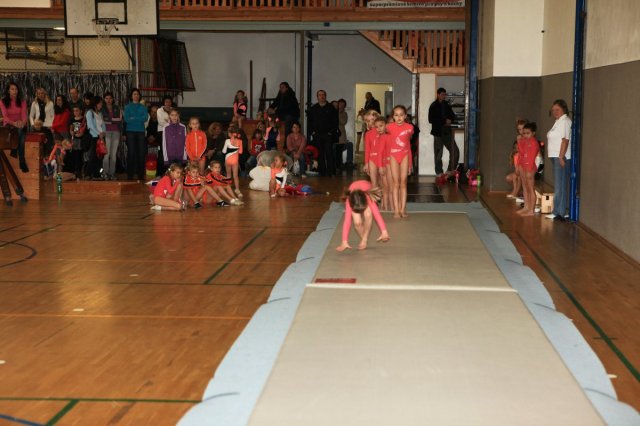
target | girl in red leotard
[
  {"x": 528, "y": 149},
  {"x": 167, "y": 194},
  {"x": 400, "y": 159},
  {"x": 361, "y": 208}
]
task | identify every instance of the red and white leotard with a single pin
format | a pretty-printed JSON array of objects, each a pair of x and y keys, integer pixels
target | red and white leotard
[
  {"x": 363, "y": 185},
  {"x": 165, "y": 187},
  {"x": 232, "y": 151},
  {"x": 280, "y": 176},
  {"x": 400, "y": 141}
]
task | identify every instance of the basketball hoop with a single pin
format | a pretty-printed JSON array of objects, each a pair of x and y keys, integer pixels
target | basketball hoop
[{"x": 103, "y": 27}]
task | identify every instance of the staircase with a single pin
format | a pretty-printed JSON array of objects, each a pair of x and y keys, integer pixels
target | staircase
[{"x": 423, "y": 51}]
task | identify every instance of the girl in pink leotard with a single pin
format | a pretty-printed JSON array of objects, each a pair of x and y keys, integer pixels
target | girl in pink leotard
[
  {"x": 400, "y": 162},
  {"x": 360, "y": 206}
]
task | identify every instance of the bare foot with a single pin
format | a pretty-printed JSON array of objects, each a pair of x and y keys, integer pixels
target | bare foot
[
  {"x": 343, "y": 247},
  {"x": 527, "y": 213},
  {"x": 396, "y": 215},
  {"x": 362, "y": 245},
  {"x": 404, "y": 215}
]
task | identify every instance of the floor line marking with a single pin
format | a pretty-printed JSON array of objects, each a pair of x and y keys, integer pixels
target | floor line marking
[
  {"x": 143, "y": 400},
  {"x": 60, "y": 414},
  {"x": 19, "y": 421},
  {"x": 584, "y": 312},
  {"x": 33, "y": 254},
  {"x": 11, "y": 227},
  {"x": 228, "y": 262},
  {"x": 30, "y": 235},
  {"x": 197, "y": 317}
]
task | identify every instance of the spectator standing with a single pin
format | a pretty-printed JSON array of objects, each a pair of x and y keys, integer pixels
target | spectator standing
[
  {"x": 286, "y": 107},
  {"x": 371, "y": 103},
  {"x": 441, "y": 116},
  {"x": 41, "y": 116},
  {"x": 323, "y": 125},
  {"x": 74, "y": 99},
  {"x": 61, "y": 117},
  {"x": 14, "y": 113},
  {"x": 162, "y": 114},
  {"x": 343, "y": 143},
  {"x": 559, "y": 149},
  {"x": 112, "y": 116},
  {"x": 135, "y": 117},
  {"x": 97, "y": 129}
]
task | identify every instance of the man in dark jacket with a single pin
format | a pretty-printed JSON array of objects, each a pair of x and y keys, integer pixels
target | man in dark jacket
[
  {"x": 286, "y": 107},
  {"x": 441, "y": 116},
  {"x": 371, "y": 103},
  {"x": 323, "y": 126}
]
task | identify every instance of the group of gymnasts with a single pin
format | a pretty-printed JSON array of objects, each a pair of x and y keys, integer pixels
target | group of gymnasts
[
  {"x": 184, "y": 186},
  {"x": 387, "y": 161}
]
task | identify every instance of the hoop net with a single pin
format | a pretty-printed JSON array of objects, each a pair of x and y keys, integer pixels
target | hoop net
[{"x": 103, "y": 27}]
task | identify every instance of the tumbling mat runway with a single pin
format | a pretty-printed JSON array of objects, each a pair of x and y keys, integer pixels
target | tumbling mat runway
[
  {"x": 426, "y": 249},
  {"x": 443, "y": 325}
]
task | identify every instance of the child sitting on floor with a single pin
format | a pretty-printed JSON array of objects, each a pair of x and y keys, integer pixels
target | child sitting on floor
[
  {"x": 167, "y": 194},
  {"x": 278, "y": 176},
  {"x": 221, "y": 184},
  {"x": 196, "y": 188}
]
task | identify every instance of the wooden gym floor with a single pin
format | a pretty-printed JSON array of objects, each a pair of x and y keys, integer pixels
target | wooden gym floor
[{"x": 113, "y": 315}]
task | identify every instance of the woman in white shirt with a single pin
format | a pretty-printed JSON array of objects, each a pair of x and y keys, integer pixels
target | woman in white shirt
[
  {"x": 41, "y": 109},
  {"x": 559, "y": 150}
]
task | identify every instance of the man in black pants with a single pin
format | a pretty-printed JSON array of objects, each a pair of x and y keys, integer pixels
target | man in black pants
[
  {"x": 441, "y": 116},
  {"x": 323, "y": 125}
]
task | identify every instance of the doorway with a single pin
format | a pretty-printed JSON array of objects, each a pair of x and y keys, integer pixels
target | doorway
[{"x": 383, "y": 92}]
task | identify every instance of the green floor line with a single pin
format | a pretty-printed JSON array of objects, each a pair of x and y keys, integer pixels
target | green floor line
[
  {"x": 584, "y": 313},
  {"x": 150, "y": 401},
  {"x": 228, "y": 262},
  {"x": 55, "y": 419}
]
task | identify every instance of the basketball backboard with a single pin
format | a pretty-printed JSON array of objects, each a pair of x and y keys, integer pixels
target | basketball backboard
[{"x": 135, "y": 17}]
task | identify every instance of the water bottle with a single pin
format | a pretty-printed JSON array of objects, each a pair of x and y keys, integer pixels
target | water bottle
[{"x": 59, "y": 183}]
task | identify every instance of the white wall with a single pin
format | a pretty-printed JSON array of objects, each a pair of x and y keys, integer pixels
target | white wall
[
  {"x": 487, "y": 36},
  {"x": 558, "y": 38},
  {"x": 517, "y": 51},
  {"x": 220, "y": 65},
  {"x": 613, "y": 33},
  {"x": 511, "y": 38},
  {"x": 339, "y": 62}
]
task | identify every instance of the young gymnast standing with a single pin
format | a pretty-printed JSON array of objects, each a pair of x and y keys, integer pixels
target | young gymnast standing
[
  {"x": 400, "y": 159},
  {"x": 232, "y": 149},
  {"x": 375, "y": 148},
  {"x": 196, "y": 144},
  {"x": 528, "y": 149},
  {"x": 361, "y": 208}
]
